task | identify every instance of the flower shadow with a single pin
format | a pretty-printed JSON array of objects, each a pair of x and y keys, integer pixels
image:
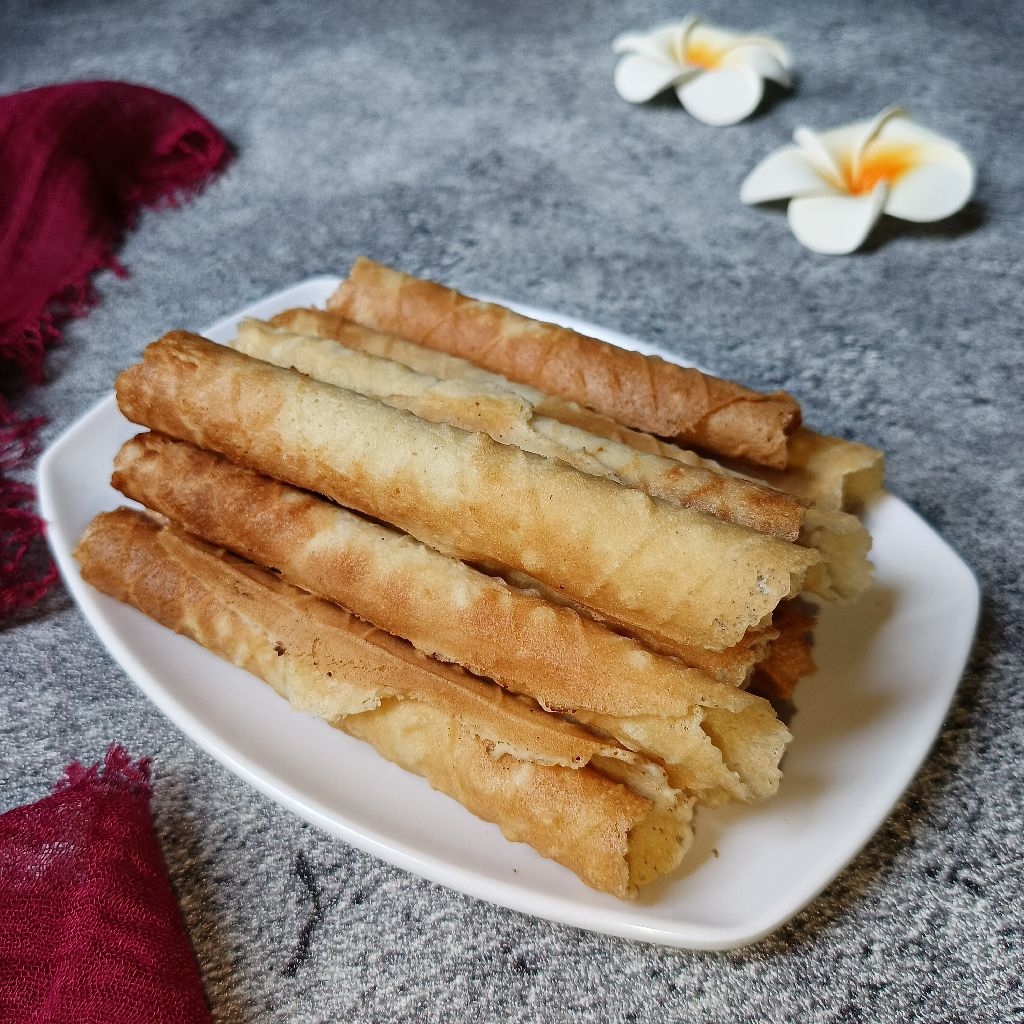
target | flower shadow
[
  {"x": 774, "y": 94},
  {"x": 889, "y": 229},
  {"x": 664, "y": 100},
  {"x": 964, "y": 222}
]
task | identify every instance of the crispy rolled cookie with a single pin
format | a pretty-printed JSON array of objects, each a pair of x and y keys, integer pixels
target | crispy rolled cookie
[
  {"x": 827, "y": 471},
  {"x": 634, "y": 559},
  {"x": 732, "y": 665},
  {"x": 844, "y": 572},
  {"x": 539, "y": 778},
  {"x": 643, "y": 392},
  {"x": 824, "y": 471},
  {"x": 449, "y": 610},
  {"x": 316, "y": 323},
  {"x": 842, "y": 575},
  {"x": 789, "y": 657},
  {"x": 509, "y": 418}
]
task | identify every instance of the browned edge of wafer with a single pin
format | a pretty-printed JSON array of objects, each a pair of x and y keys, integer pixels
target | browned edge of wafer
[
  {"x": 643, "y": 392},
  {"x": 827, "y": 471},
  {"x": 790, "y": 656}
]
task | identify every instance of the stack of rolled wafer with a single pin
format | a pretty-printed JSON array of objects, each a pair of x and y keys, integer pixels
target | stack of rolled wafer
[{"x": 556, "y": 578}]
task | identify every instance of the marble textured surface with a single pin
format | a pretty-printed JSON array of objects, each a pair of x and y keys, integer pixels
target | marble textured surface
[{"x": 482, "y": 143}]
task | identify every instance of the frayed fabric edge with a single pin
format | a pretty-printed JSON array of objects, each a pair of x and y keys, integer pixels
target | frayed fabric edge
[
  {"x": 117, "y": 773},
  {"x": 20, "y": 527}
]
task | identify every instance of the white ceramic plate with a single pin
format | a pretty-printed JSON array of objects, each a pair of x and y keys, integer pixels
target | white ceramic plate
[{"x": 888, "y": 668}]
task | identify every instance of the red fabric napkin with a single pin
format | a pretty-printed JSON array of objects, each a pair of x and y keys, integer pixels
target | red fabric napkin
[
  {"x": 77, "y": 163},
  {"x": 90, "y": 930}
]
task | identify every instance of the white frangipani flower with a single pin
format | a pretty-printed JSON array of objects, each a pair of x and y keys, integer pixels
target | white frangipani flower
[
  {"x": 841, "y": 181},
  {"x": 718, "y": 75}
]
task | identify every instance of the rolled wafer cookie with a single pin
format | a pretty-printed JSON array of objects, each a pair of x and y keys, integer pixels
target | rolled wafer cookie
[
  {"x": 454, "y": 612},
  {"x": 842, "y": 575},
  {"x": 822, "y": 470},
  {"x": 510, "y": 418},
  {"x": 636, "y": 560},
  {"x": 319, "y": 324},
  {"x": 844, "y": 572},
  {"x": 604, "y": 813},
  {"x": 732, "y": 665},
  {"x": 790, "y": 657},
  {"x": 643, "y": 392},
  {"x": 827, "y": 471}
]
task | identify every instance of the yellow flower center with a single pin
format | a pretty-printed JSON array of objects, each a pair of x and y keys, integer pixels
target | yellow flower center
[
  {"x": 879, "y": 163},
  {"x": 702, "y": 55}
]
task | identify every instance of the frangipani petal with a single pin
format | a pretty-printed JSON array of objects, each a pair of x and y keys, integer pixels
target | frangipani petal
[
  {"x": 783, "y": 174},
  {"x": 941, "y": 179},
  {"x": 819, "y": 153},
  {"x": 836, "y": 224},
  {"x": 851, "y": 138},
  {"x": 719, "y": 75},
  {"x": 709, "y": 38},
  {"x": 877, "y": 124},
  {"x": 722, "y": 97},
  {"x": 765, "y": 63},
  {"x": 902, "y": 128},
  {"x": 841, "y": 181},
  {"x": 856, "y": 155},
  {"x": 684, "y": 34},
  {"x": 639, "y": 79},
  {"x": 660, "y": 43},
  {"x": 933, "y": 190},
  {"x": 773, "y": 46},
  {"x": 631, "y": 42}
]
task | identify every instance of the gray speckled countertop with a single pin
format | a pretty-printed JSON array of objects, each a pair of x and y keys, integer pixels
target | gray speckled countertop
[{"x": 481, "y": 143}]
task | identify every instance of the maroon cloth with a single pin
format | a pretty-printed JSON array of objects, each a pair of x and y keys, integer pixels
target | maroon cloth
[
  {"x": 25, "y": 571},
  {"x": 90, "y": 931},
  {"x": 77, "y": 163}
]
